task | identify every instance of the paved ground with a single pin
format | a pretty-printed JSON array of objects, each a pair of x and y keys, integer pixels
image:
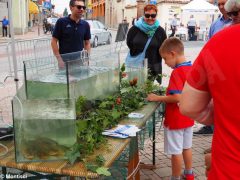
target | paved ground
[
  {"x": 163, "y": 162},
  {"x": 163, "y": 170}
]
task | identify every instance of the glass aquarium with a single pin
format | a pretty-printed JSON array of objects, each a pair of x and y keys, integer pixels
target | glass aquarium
[
  {"x": 44, "y": 129},
  {"x": 43, "y": 79},
  {"x": 98, "y": 79},
  {"x": 44, "y": 107},
  {"x": 93, "y": 79},
  {"x": 139, "y": 72}
]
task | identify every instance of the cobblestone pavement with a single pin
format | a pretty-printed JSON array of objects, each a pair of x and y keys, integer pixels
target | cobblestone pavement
[{"x": 163, "y": 163}]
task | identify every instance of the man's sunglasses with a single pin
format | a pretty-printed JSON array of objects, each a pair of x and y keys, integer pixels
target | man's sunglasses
[
  {"x": 148, "y": 15},
  {"x": 80, "y": 7},
  {"x": 234, "y": 13}
]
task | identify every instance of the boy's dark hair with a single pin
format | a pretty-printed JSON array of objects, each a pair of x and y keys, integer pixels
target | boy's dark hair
[
  {"x": 172, "y": 44},
  {"x": 72, "y": 2}
]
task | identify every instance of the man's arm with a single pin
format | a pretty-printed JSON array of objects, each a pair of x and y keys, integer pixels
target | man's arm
[
  {"x": 54, "y": 44},
  {"x": 87, "y": 46},
  {"x": 197, "y": 105}
]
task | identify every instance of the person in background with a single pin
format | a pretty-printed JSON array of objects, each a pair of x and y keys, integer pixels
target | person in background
[
  {"x": 222, "y": 22},
  {"x": 5, "y": 24},
  {"x": 173, "y": 25},
  {"x": 177, "y": 128},
  {"x": 233, "y": 10},
  {"x": 211, "y": 97},
  {"x": 125, "y": 20},
  {"x": 71, "y": 33},
  {"x": 192, "y": 24},
  {"x": 148, "y": 27}
]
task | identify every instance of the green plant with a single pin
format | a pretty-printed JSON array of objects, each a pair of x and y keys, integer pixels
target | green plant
[{"x": 95, "y": 116}]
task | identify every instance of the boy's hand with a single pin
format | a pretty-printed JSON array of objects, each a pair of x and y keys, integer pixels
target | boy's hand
[{"x": 152, "y": 97}]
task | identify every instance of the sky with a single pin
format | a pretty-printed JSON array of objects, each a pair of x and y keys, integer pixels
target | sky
[{"x": 60, "y": 5}]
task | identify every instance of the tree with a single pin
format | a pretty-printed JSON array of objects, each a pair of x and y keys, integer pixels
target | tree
[{"x": 65, "y": 12}]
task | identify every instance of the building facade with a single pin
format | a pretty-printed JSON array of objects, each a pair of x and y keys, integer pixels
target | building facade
[
  {"x": 98, "y": 10},
  {"x": 118, "y": 10},
  {"x": 20, "y": 14}
]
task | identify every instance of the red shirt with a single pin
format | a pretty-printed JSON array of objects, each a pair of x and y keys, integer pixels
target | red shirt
[
  {"x": 174, "y": 119},
  {"x": 217, "y": 70}
]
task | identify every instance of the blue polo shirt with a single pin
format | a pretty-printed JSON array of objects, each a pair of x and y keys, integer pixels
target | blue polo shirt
[
  {"x": 219, "y": 24},
  {"x": 71, "y": 35}
]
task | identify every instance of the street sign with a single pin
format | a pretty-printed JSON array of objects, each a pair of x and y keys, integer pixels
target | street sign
[
  {"x": 153, "y": 2},
  {"x": 47, "y": 5}
]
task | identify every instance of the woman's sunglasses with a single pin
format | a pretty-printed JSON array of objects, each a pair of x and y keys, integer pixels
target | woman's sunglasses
[
  {"x": 148, "y": 15},
  {"x": 234, "y": 13},
  {"x": 80, "y": 7}
]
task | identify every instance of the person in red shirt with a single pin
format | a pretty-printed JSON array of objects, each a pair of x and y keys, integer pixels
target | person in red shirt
[
  {"x": 177, "y": 128},
  {"x": 215, "y": 75}
]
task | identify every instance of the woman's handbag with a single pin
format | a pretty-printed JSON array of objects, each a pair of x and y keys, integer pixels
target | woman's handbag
[{"x": 138, "y": 60}]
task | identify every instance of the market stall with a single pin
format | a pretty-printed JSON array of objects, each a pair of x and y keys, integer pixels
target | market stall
[{"x": 60, "y": 114}]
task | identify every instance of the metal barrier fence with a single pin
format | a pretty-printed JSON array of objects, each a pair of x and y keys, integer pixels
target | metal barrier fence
[
  {"x": 41, "y": 48},
  {"x": 28, "y": 50}
]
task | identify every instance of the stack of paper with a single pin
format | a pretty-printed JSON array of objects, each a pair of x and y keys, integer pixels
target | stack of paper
[
  {"x": 136, "y": 115},
  {"x": 122, "y": 131}
]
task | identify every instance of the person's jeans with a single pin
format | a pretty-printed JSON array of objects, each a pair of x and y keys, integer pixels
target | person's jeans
[
  {"x": 173, "y": 31},
  {"x": 191, "y": 32},
  {"x": 4, "y": 31}
]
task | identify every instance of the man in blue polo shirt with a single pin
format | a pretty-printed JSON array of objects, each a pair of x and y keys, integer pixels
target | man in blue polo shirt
[
  {"x": 5, "y": 23},
  {"x": 222, "y": 21},
  {"x": 71, "y": 34}
]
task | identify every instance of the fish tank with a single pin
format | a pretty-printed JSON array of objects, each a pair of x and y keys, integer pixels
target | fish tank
[
  {"x": 44, "y": 129},
  {"x": 137, "y": 71},
  {"x": 94, "y": 78}
]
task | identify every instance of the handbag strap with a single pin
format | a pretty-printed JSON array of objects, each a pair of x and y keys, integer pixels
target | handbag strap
[{"x": 146, "y": 46}]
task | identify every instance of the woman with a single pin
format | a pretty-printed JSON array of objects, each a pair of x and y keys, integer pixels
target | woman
[{"x": 148, "y": 27}]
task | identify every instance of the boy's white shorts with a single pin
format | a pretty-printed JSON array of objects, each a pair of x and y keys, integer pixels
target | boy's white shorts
[{"x": 177, "y": 140}]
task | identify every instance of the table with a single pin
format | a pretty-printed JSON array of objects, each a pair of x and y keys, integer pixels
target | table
[{"x": 115, "y": 148}]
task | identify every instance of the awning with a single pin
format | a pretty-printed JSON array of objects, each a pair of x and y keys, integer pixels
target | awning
[
  {"x": 33, "y": 8},
  {"x": 199, "y": 6}
]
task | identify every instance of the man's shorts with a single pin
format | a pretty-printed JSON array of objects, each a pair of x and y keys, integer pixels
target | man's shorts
[{"x": 177, "y": 140}]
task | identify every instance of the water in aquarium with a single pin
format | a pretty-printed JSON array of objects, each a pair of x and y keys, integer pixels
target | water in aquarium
[
  {"x": 101, "y": 84},
  {"x": 41, "y": 139},
  {"x": 92, "y": 83},
  {"x": 45, "y": 131},
  {"x": 46, "y": 90}
]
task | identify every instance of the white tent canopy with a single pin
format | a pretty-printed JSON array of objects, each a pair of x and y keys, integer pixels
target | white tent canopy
[{"x": 199, "y": 6}]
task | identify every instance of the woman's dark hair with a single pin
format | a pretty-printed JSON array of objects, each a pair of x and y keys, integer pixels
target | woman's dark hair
[{"x": 72, "y": 2}]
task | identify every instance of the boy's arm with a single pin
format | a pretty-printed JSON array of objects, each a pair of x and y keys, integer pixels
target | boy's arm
[{"x": 175, "y": 98}]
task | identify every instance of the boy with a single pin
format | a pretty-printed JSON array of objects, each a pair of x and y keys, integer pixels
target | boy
[{"x": 177, "y": 128}]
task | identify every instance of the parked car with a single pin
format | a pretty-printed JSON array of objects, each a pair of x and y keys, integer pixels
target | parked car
[{"x": 99, "y": 33}]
